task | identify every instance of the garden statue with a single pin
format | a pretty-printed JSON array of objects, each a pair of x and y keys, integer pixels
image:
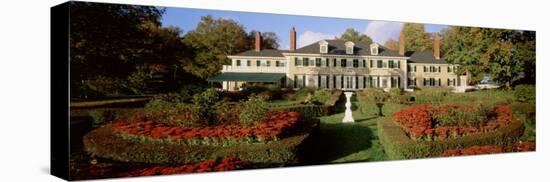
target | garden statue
[{"x": 348, "y": 118}]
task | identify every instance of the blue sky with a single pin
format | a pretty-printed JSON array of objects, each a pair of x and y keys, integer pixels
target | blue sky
[{"x": 309, "y": 29}]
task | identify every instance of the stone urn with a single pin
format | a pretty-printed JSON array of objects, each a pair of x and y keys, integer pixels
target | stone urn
[{"x": 348, "y": 117}]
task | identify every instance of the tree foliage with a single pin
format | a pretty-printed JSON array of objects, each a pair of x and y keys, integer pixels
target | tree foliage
[
  {"x": 270, "y": 40},
  {"x": 353, "y": 35},
  {"x": 113, "y": 46},
  {"x": 416, "y": 37},
  {"x": 501, "y": 62},
  {"x": 503, "y": 54},
  {"x": 392, "y": 44}
]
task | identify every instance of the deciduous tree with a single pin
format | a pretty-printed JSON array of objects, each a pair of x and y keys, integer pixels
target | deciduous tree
[
  {"x": 353, "y": 35},
  {"x": 212, "y": 41},
  {"x": 392, "y": 44},
  {"x": 416, "y": 37}
]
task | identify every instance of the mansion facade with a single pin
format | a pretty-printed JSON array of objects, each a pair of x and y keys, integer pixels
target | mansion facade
[{"x": 338, "y": 64}]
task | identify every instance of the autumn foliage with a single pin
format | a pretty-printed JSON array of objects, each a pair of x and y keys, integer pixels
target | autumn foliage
[
  {"x": 274, "y": 127},
  {"x": 430, "y": 122},
  {"x": 475, "y": 150},
  {"x": 226, "y": 164}
]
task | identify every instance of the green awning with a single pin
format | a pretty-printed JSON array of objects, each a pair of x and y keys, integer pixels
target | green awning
[{"x": 248, "y": 77}]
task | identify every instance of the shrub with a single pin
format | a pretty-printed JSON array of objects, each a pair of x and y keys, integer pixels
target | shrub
[
  {"x": 102, "y": 142},
  {"x": 253, "y": 89},
  {"x": 273, "y": 129},
  {"x": 226, "y": 164},
  {"x": 463, "y": 115},
  {"x": 475, "y": 150},
  {"x": 97, "y": 117},
  {"x": 439, "y": 122},
  {"x": 275, "y": 91},
  {"x": 397, "y": 145},
  {"x": 321, "y": 96},
  {"x": 308, "y": 111},
  {"x": 227, "y": 113},
  {"x": 177, "y": 114},
  {"x": 525, "y": 92},
  {"x": 254, "y": 110},
  {"x": 430, "y": 95},
  {"x": 205, "y": 102},
  {"x": 375, "y": 95},
  {"x": 101, "y": 116},
  {"x": 190, "y": 90},
  {"x": 102, "y": 86}
]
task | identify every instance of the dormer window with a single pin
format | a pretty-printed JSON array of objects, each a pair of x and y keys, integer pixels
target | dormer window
[
  {"x": 323, "y": 46},
  {"x": 349, "y": 47},
  {"x": 374, "y": 49}
]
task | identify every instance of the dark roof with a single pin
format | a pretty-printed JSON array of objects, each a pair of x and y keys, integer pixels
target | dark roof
[
  {"x": 338, "y": 47},
  {"x": 248, "y": 77},
  {"x": 263, "y": 53},
  {"x": 425, "y": 57}
]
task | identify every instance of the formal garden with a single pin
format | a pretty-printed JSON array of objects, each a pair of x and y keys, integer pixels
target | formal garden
[
  {"x": 197, "y": 131},
  {"x": 209, "y": 130}
]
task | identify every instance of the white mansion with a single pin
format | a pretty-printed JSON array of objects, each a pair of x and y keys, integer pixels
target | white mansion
[{"x": 337, "y": 64}]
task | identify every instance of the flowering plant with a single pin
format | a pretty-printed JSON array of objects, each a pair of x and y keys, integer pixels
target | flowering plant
[
  {"x": 225, "y": 164},
  {"x": 429, "y": 122},
  {"x": 272, "y": 128}
]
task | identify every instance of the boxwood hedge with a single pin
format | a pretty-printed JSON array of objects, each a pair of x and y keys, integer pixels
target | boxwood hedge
[
  {"x": 398, "y": 146},
  {"x": 308, "y": 111},
  {"x": 103, "y": 143}
]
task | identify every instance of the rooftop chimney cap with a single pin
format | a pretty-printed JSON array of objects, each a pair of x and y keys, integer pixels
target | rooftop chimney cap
[
  {"x": 401, "y": 43},
  {"x": 258, "y": 41},
  {"x": 292, "y": 39},
  {"x": 437, "y": 53}
]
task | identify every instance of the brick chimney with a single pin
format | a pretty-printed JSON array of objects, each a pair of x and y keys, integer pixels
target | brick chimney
[
  {"x": 292, "y": 39},
  {"x": 401, "y": 43},
  {"x": 258, "y": 41},
  {"x": 436, "y": 46}
]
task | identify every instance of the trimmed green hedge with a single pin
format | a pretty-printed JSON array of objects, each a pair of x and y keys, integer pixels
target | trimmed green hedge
[
  {"x": 308, "y": 111},
  {"x": 398, "y": 146},
  {"x": 103, "y": 143}
]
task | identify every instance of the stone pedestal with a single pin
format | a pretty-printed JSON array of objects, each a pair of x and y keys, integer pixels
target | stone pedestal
[{"x": 348, "y": 118}]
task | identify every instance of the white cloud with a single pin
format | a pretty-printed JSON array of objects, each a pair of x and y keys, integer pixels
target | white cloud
[
  {"x": 309, "y": 37},
  {"x": 380, "y": 31}
]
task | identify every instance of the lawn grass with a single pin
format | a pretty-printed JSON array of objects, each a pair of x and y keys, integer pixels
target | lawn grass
[{"x": 352, "y": 142}]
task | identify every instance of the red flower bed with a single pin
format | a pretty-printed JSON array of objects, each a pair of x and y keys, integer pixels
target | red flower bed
[
  {"x": 525, "y": 146},
  {"x": 421, "y": 121},
  {"x": 205, "y": 166},
  {"x": 475, "y": 150},
  {"x": 415, "y": 120},
  {"x": 275, "y": 126}
]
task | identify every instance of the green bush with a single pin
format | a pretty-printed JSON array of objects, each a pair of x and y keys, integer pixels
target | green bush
[
  {"x": 228, "y": 112},
  {"x": 474, "y": 116},
  {"x": 102, "y": 86},
  {"x": 397, "y": 145},
  {"x": 374, "y": 95},
  {"x": 430, "y": 95},
  {"x": 205, "y": 102},
  {"x": 174, "y": 113},
  {"x": 99, "y": 117},
  {"x": 254, "y": 110},
  {"x": 103, "y": 143},
  {"x": 525, "y": 92},
  {"x": 190, "y": 90},
  {"x": 308, "y": 111}
]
